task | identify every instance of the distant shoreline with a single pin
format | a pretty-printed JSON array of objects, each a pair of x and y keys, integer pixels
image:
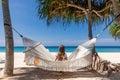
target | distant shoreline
[{"x": 68, "y": 48}]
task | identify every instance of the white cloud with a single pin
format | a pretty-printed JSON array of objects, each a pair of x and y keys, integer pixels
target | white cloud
[
  {"x": 107, "y": 42},
  {"x": 64, "y": 42},
  {"x": 99, "y": 42}
]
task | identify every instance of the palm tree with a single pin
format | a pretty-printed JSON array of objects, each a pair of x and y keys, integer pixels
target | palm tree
[
  {"x": 116, "y": 7},
  {"x": 115, "y": 28},
  {"x": 115, "y": 31},
  {"x": 9, "y": 64},
  {"x": 74, "y": 10},
  {"x": 90, "y": 11}
]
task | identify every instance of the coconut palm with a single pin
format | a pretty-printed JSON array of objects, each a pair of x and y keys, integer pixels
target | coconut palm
[
  {"x": 74, "y": 10},
  {"x": 115, "y": 28},
  {"x": 115, "y": 31},
  {"x": 9, "y": 64},
  {"x": 89, "y": 11},
  {"x": 116, "y": 7}
]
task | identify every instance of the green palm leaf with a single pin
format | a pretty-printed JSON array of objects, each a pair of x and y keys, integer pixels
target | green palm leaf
[
  {"x": 114, "y": 30},
  {"x": 69, "y": 11}
]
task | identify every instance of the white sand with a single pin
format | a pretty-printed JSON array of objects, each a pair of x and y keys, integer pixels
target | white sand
[
  {"x": 19, "y": 58},
  {"x": 111, "y": 56},
  {"x": 37, "y": 74}
]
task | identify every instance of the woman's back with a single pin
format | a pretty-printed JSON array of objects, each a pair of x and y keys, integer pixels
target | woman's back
[
  {"x": 61, "y": 54},
  {"x": 61, "y": 57}
]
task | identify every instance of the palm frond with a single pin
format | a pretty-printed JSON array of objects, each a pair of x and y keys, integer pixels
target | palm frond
[
  {"x": 114, "y": 30},
  {"x": 58, "y": 10}
]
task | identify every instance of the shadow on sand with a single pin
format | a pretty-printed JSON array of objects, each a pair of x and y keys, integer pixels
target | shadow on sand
[{"x": 39, "y": 74}]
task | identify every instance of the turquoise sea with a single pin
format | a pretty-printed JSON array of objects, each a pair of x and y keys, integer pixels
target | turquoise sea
[{"x": 69, "y": 48}]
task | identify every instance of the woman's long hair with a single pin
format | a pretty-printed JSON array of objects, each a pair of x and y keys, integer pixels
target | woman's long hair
[
  {"x": 61, "y": 53},
  {"x": 62, "y": 49}
]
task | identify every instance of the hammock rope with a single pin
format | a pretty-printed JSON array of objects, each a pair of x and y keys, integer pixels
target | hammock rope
[
  {"x": 95, "y": 36},
  {"x": 107, "y": 26},
  {"x": 14, "y": 30},
  {"x": 17, "y": 32}
]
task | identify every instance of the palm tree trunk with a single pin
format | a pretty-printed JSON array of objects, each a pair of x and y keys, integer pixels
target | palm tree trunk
[
  {"x": 94, "y": 53},
  {"x": 9, "y": 64},
  {"x": 116, "y": 9},
  {"x": 89, "y": 21}
]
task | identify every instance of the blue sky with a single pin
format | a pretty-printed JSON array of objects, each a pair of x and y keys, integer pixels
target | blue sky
[{"x": 25, "y": 19}]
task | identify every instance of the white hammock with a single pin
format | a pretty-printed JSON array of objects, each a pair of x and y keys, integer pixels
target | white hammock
[{"x": 39, "y": 56}]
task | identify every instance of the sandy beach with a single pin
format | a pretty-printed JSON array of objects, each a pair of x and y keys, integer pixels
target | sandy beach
[{"x": 22, "y": 71}]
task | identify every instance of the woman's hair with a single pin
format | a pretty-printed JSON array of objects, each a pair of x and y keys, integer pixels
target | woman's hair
[
  {"x": 61, "y": 53},
  {"x": 62, "y": 49}
]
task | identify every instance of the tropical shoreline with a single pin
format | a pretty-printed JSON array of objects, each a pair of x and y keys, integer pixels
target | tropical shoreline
[{"x": 67, "y": 48}]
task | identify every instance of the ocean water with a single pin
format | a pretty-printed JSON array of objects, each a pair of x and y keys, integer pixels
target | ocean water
[{"x": 69, "y": 48}]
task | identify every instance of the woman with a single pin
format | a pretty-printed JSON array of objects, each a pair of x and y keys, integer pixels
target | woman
[{"x": 61, "y": 54}]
